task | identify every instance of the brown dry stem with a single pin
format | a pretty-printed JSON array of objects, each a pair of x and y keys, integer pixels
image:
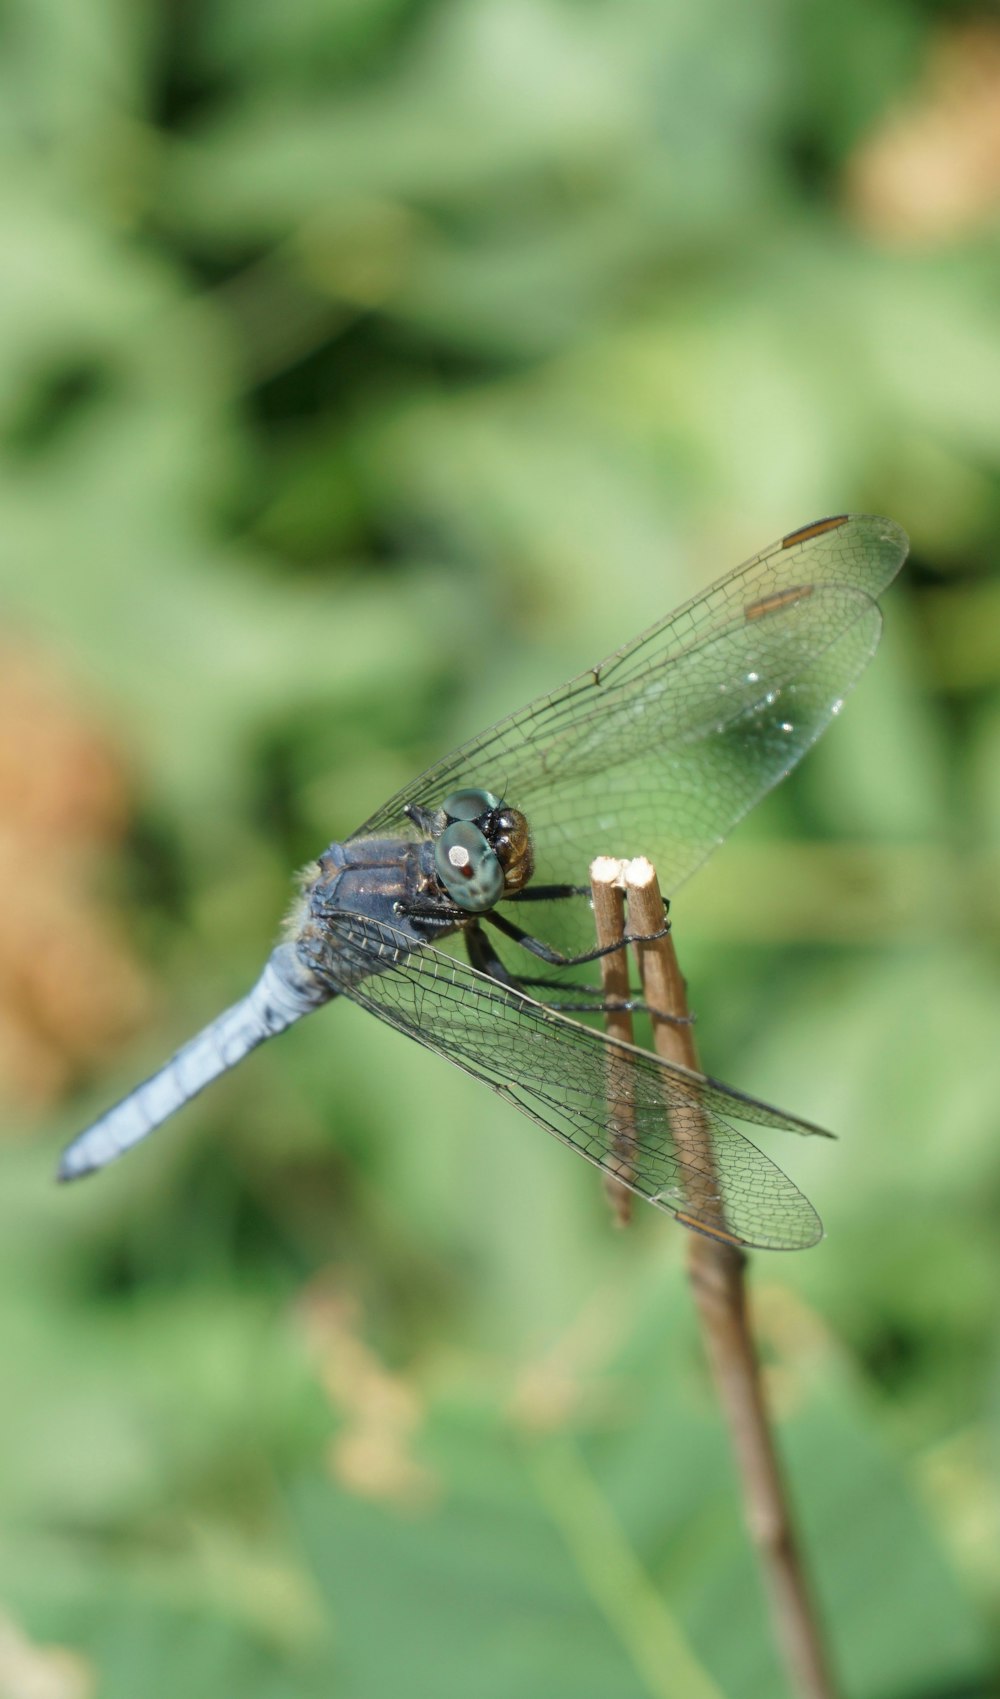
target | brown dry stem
[
  {"x": 716, "y": 1269},
  {"x": 608, "y": 890}
]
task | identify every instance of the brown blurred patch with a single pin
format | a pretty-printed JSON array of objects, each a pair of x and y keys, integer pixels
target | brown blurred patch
[
  {"x": 932, "y": 173},
  {"x": 69, "y": 989},
  {"x": 382, "y": 1412}
]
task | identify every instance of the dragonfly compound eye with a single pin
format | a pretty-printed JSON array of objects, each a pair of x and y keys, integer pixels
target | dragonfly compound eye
[
  {"x": 470, "y": 804},
  {"x": 467, "y": 868}
]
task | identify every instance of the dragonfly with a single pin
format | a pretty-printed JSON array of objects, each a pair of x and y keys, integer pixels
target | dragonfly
[{"x": 432, "y": 913}]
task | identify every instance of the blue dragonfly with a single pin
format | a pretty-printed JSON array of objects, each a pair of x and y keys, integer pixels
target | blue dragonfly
[{"x": 422, "y": 916}]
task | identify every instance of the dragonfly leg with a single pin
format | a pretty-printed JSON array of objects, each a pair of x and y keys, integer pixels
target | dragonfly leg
[
  {"x": 559, "y": 893},
  {"x": 441, "y": 918},
  {"x": 485, "y": 959},
  {"x": 554, "y": 957},
  {"x": 444, "y": 913},
  {"x": 547, "y": 893}
]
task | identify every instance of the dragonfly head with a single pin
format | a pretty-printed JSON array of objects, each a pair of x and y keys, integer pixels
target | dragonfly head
[{"x": 483, "y": 851}]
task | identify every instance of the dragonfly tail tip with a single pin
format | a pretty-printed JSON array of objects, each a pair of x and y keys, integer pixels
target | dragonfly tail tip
[{"x": 71, "y": 1167}]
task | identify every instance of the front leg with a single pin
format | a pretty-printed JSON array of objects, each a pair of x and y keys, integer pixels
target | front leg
[
  {"x": 555, "y": 958},
  {"x": 431, "y": 917},
  {"x": 547, "y": 893},
  {"x": 484, "y": 958}
]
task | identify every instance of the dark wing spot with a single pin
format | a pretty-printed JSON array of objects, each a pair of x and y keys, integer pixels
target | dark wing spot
[
  {"x": 780, "y": 599},
  {"x": 815, "y": 530}
]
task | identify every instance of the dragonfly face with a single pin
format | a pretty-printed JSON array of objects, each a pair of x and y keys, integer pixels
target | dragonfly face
[
  {"x": 482, "y": 850},
  {"x": 657, "y": 751},
  {"x": 473, "y": 852}
]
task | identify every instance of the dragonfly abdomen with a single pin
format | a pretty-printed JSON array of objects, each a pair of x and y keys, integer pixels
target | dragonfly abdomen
[{"x": 285, "y": 991}]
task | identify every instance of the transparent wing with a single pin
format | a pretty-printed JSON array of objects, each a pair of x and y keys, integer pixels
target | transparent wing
[
  {"x": 663, "y": 747},
  {"x": 664, "y": 1131}
]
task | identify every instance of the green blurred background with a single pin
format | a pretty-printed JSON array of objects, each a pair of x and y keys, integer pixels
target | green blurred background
[{"x": 367, "y": 367}]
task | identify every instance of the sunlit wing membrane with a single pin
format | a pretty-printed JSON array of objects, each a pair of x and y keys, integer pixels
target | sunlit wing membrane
[
  {"x": 587, "y": 1090},
  {"x": 662, "y": 748}
]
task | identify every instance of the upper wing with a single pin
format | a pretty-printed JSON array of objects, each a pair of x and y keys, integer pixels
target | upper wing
[
  {"x": 662, "y": 1130},
  {"x": 663, "y": 747}
]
